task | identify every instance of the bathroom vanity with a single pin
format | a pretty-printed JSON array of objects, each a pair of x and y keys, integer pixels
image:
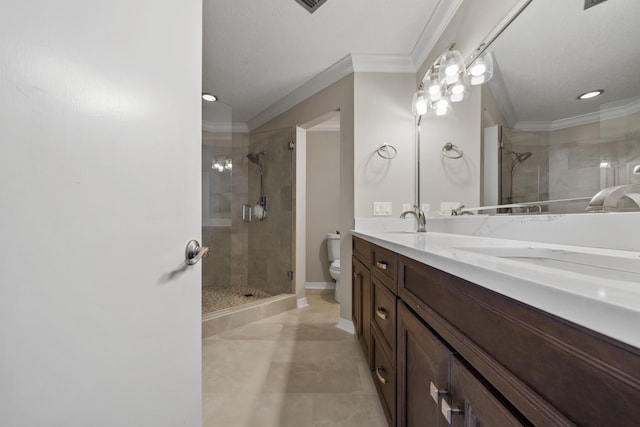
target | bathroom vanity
[{"x": 455, "y": 334}]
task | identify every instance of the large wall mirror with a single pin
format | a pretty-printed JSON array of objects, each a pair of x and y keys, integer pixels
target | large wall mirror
[{"x": 555, "y": 146}]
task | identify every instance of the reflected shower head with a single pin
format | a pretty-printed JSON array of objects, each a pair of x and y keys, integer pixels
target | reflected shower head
[
  {"x": 520, "y": 157},
  {"x": 255, "y": 158}
]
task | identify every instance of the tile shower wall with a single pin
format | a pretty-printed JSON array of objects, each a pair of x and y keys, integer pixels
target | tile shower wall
[
  {"x": 577, "y": 162},
  {"x": 223, "y": 195}
]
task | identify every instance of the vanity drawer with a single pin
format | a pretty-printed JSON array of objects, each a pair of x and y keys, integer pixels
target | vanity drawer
[
  {"x": 385, "y": 262},
  {"x": 383, "y": 314},
  {"x": 547, "y": 367},
  {"x": 384, "y": 377},
  {"x": 362, "y": 250}
]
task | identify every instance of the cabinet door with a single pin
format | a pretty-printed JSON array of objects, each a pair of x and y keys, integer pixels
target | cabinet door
[
  {"x": 472, "y": 403},
  {"x": 422, "y": 372},
  {"x": 361, "y": 306}
]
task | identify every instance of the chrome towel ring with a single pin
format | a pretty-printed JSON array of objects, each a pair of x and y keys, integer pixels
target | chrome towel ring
[
  {"x": 387, "y": 151},
  {"x": 451, "y": 151}
]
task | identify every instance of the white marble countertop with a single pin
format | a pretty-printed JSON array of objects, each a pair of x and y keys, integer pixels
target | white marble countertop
[{"x": 593, "y": 287}]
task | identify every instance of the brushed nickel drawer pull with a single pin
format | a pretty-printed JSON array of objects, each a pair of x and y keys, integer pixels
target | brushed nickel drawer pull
[
  {"x": 381, "y": 378},
  {"x": 382, "y": 265},
  {"x": 435, "y": 393},
  {"x": 448, "y": 412},
  {"x": 381, "y": 313}
]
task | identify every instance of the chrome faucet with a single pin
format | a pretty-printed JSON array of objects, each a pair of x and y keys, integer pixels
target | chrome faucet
[
  {"x": 420, "y": 217},
  {"x": 459, "y": 211},
  {"x": 607, "y": 200}
]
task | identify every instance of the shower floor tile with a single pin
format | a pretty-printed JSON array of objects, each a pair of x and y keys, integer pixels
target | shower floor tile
[{"x": 216, "y": 298}]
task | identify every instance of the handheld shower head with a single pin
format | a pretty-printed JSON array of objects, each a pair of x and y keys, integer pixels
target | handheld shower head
[
  {"x": 521, "y": 157},
  {"x": 254, "y": 158}
]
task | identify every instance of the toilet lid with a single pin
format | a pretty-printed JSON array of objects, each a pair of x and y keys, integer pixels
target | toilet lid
[{"x": 336, "y": 264}]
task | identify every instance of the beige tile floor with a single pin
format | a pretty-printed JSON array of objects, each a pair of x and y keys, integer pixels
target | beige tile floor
[{"x": 294, "y": 369}]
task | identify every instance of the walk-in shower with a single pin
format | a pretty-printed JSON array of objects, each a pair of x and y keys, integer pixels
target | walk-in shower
[
  {"x": 250, "y": 259},
  {"x": 519, "y": 161},
  {"x": 260, "y": 209}
]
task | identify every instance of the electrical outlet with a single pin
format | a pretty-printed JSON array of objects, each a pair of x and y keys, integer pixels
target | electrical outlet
[
  {"x": 407, "y": 207},
  {"x": 382, "y": 209},
  {"x": 426, "y": 207}
]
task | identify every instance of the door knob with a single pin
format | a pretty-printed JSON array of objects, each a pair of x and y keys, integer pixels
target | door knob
[{"x": 194, "y": 252}]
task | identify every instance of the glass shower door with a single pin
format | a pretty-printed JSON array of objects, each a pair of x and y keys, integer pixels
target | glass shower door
[{"x": 270, "y": 239}]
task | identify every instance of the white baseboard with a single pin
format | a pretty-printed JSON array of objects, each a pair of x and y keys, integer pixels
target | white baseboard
[
  {"x": 302, "y": 302},
  {"x": 319, "y": 285},
  {"x": 346, "y": 325}
]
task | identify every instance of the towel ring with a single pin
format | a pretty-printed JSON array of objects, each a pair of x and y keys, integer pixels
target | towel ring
[
  {"x": 448, "y": 147},
  {"x": 387, "y": 151}
]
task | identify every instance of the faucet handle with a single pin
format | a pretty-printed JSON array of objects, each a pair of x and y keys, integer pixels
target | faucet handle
[{"x": 457, "y": 211}]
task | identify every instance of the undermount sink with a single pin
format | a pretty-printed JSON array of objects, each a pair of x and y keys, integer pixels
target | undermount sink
[{"x": 605, "y": 266}]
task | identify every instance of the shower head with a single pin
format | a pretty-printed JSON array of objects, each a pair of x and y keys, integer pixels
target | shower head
[
  {"x": 254, "y": 157},
  {"x": 520, "y": 157}
]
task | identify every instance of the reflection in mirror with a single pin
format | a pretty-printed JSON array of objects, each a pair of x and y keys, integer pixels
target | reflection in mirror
[{"x": 554, "y": 145}]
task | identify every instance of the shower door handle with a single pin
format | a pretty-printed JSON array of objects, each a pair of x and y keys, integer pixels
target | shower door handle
[{"x": 194, "y": 252}]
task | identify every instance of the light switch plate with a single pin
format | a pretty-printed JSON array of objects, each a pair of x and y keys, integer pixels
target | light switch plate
[{"x": 382, "y": 208}]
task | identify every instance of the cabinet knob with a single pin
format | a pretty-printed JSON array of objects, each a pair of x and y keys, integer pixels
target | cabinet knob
[
  {"x": 379, "y": 374},
  {"x": 381, "y": 313},
  {"x": 435, "y": 393},
  {"x": 448, "y": 411},
  {"x": 357, "y": 276},
  {"x": 382, "y": 265}
]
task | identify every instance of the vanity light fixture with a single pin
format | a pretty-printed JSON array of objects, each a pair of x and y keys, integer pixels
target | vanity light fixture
[
  {"x": 448, "y": 80},
  {"x": 591, "y": 94},
  {"x": 209, "y": 97},
  {"x": 481, "y": 68}
]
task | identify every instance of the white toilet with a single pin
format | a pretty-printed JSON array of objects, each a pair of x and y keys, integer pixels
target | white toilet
[{"x": 333, "y": 251}]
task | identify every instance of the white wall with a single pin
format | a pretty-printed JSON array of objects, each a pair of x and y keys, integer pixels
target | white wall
[
  {"x": 383, "y": 114},
  {"x": 323, "y": 200},
  {"x": 452, "y": 180}
]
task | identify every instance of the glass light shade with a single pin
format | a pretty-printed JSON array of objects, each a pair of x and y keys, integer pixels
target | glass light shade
[
  {"x": 442, "y": 107},
  {"x": 433, "y": 85},
  {"x": 451, "y": 64},
  {"x": 459, "y": 90},
  {"x": 481, "y": 69},
  {"x": 419, "y": 103}
]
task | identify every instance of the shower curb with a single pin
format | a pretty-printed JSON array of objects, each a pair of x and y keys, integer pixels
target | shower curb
[{"x": 230, "y": 318}]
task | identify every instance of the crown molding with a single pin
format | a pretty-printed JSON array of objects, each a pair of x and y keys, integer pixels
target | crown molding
[
  {"x": 383, "y": 64},
  {"x": 224, "y": 127},
  {"x": 442, "y": 15},
  {"x": 347, "y": 65},
  {"x": 326, "y": 78},
  {"x": 614, "y": 111}
]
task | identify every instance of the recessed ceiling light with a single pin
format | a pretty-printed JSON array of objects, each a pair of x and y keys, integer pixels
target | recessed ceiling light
[
  {"x": 591, "y": 94},
  {"x": 208, "y": 97}
]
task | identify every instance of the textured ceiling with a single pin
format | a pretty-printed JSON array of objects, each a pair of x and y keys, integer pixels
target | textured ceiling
[
  {"x": 555, "y": 51},
  {"x": 257, "y": 52}
]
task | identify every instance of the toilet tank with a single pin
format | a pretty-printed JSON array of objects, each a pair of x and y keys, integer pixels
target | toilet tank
[{"x": 333, "y": 246}]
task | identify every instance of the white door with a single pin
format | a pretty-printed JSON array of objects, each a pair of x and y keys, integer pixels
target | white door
[{"x": 100, "y": 120}]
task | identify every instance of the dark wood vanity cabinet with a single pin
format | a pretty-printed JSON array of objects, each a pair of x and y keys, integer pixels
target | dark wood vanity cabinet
[
  {"x": 444, "y": 351},
  {"x": 361, "y": 305}
]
